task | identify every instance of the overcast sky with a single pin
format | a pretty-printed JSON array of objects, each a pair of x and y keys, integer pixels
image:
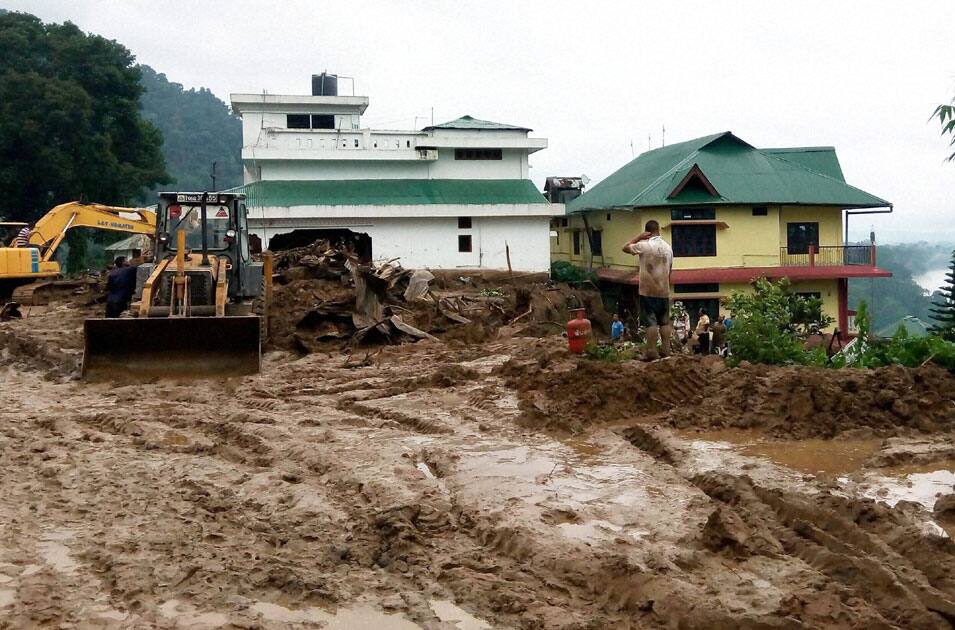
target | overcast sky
[{"x": 595, "y": 78}]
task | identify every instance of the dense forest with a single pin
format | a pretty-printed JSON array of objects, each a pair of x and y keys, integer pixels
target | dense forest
[
  {"x": 890, "y": 299},
  {"x": 197, "y": 130}
]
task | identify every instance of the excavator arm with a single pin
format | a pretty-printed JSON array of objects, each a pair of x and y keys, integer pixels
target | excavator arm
[{"x": 51, "y": 229}]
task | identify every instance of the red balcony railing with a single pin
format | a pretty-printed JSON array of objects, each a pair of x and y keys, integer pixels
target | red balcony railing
[{"x": 827, "y": 256}]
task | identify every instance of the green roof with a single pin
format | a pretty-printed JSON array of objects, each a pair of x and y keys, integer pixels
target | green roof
[
  {"x": 402, "y": 192},
  {"x": 468, "y": 122},
  {"x": 734, "y": 170},
  {"x": 820, "y": 159},
  {"x": 914, "y": 327}
]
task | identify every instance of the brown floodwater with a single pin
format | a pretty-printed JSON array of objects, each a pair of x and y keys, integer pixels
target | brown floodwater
[{"x": 824, "y": 458}]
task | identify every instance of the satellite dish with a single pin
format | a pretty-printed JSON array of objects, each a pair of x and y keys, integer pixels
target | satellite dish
[{"x": 584, "y": 179}]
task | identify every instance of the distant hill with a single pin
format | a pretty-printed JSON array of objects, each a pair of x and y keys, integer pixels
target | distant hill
[
  {"x": 197, "y": 129},
  {"x": 891, "y": 299}
]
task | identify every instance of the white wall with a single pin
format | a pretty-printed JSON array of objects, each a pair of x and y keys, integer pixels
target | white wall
[
  {"x": 433, "y": 242},
  {"x": 512, "y": 165},
  {"x": 329, "y": 169}
]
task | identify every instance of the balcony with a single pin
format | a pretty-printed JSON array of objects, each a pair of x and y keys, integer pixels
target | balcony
[{"x": 828, "y": 256}]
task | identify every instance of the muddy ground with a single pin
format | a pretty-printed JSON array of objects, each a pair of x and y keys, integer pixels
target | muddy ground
[{"x": 452, "y": 485}]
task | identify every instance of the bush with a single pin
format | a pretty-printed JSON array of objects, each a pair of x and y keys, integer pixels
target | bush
[
  {"x": 611, "y": 354},
  {"x": 563, "y": 271},
  {"x": 771, "y": 323},
  {"x": 901, "y": 349}
]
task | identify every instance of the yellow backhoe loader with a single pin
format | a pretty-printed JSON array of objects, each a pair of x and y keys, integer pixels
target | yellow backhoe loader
[
  {"x": 203, "y": 302},
  {"x": 28, "y": 274}
]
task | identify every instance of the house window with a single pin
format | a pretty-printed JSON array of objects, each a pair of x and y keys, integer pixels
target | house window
[
  {"x": 464, "y": 242},
  {"x": 563, "y": 223},
  {"x": 760, "y": 211},
  {"x": 464, "y": 223},
  {"x": 693, "y": 214},
  {"x": 703, "y": 287},
  {"x": 596, "y": 243},
  {"x": 799, "y": 236},
  {"x": 608, "y": 216},
  {"x": 298, "y": 121},
  {"x": 694, "y": 240},
  {"x": 323, "y": 121},
  {"x": 576, "y": 243},
  {"x": 477, "y": 154}
]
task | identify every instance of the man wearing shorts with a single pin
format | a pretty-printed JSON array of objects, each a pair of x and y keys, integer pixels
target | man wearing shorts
[{"x": 656, "y": 262}]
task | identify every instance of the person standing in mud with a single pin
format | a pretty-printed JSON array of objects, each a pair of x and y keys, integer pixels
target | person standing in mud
[
  {"x": 718, "y": 337},
  {"x": 703, "y": 332},
  {"x": 656, "y": 263},
  {"x": 120, "y": 286}
]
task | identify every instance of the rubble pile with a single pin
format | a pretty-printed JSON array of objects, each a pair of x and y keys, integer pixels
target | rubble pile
[{"x": 325, "y": 294}]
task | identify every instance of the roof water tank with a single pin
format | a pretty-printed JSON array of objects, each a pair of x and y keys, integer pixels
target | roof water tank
[{"x": 324, "y": 84}]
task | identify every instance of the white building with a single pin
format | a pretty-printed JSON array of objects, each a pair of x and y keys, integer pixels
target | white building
[{"x": 451, "y": 195}]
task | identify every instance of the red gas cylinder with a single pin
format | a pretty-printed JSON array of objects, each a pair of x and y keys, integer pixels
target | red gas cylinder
[{"x": 578, "y": 331}]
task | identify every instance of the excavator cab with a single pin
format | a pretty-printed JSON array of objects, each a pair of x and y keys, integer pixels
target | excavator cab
[{"x": 201, "y": 306}]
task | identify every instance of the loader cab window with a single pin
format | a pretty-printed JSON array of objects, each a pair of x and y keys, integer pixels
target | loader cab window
[{"x": 189, "y": 220}]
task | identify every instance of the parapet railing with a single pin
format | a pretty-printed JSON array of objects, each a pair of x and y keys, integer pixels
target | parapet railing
[{"x": 827, "y": 256}]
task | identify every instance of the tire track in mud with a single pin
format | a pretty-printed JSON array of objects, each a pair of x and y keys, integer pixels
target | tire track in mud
[{"x": 877, "y": 561}]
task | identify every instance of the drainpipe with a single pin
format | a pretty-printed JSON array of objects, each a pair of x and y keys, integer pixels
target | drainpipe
[{"x": 590, "y": 242}]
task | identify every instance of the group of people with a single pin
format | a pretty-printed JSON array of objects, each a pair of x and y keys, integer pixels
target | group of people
[
  {"x": 707, "y": 337},
  {"x": 656, "y": 265}
]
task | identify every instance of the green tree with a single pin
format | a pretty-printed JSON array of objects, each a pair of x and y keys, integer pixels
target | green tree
[
  {"x": 943, "y": 309},
  {"x": 198, "y": 129},
  {"x": 771, "y": 322},
  {"x": 70, "y": 126},
  {"x": 946, "y": 118}
]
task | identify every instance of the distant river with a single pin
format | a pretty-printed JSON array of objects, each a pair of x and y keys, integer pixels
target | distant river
[{"x": 931, "y": 280}]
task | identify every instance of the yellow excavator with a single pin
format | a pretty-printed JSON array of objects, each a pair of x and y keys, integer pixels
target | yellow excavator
[
  {"x": 202, "y": 302},
  {"x": 28, "y": 274}
]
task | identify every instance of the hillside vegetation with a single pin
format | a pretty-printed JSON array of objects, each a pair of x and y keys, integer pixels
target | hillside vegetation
[
  {"x": 891, "y": 299},
  {"x": 197, "y": 130}
]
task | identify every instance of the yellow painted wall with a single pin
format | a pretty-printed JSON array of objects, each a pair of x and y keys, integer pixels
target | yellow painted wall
[{"x": 747, "y": 241}]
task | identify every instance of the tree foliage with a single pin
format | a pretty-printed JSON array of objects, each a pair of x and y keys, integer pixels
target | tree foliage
[
  {"x": 943, "y": 309},
  {"x": 198, "y": 129},
  {"x": 70, "y": 126},
  {"x": 771, "y": 322},
  {"x": 946, "y": 118},
  {"x": 901, "y": 349}
]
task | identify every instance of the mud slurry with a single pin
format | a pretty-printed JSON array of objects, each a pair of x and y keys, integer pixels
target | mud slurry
[{"x": 428, "y": 486}]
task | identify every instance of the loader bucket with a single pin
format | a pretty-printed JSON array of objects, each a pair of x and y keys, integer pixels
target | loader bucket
[{"x": 171, "y": 347}]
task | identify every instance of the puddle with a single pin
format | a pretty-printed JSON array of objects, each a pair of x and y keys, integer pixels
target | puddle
[
  {"x": 55, "y": 553},
  {"x": 583, "y": 446},
  {"x": 448, "y": 612},
  {"x": 824, "y": 458},
  {"x": 355, "y": 618},
  {"x": 920, "y": 488},
  {"x": 517, "y": 462},
  {"x": 187, "y": 615}
]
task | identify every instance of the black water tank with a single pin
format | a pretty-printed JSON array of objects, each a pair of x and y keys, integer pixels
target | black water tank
[{"x": 324, "y": 84}]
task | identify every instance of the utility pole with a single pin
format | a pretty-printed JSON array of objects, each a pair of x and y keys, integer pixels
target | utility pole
[
  {"x": 663, "y": 136},
  {"x": 213, "y": 176}
]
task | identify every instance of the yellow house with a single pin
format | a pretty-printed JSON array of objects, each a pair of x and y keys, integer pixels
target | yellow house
[{"x": 732, "y": 213}]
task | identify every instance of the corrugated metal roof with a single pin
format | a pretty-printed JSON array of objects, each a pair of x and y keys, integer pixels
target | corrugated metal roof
[
  {"x": 740, "y": 173},
  {"x": 386, "y": 192},
  {"x": 469, "y": 122},
  {"x": 820, "y": 159}
]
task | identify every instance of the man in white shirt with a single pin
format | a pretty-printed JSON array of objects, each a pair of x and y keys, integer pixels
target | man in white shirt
[{"x": 656, "y": 263}]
